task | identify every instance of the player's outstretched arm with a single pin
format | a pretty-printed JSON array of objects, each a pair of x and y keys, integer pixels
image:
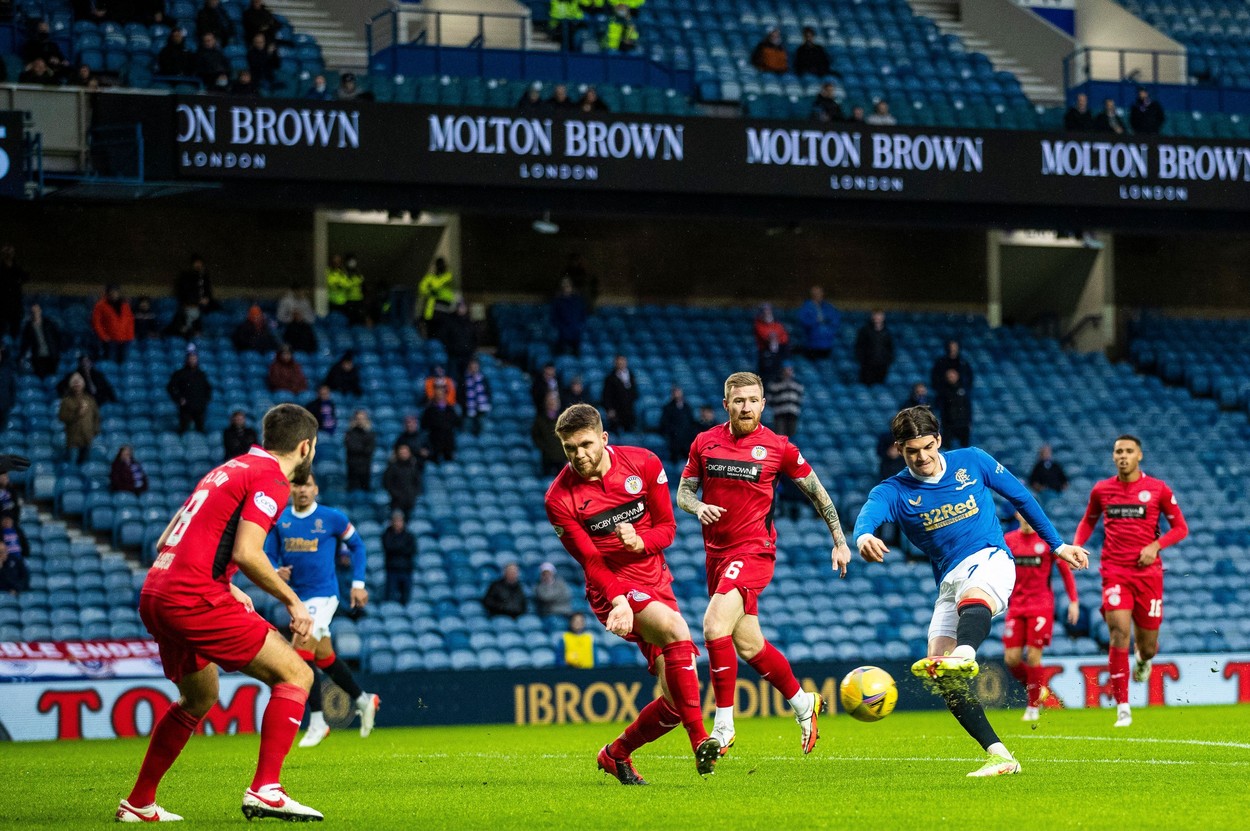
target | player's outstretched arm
[
  {"x": 249, "y": 554},
  {"x": 689, "y": 502},
  {"x": 810, "y": 485},
  {"x": 1073, "y": 555}
]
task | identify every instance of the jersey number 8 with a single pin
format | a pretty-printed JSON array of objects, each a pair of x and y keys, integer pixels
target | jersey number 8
[{"x": 184, "y": 521}]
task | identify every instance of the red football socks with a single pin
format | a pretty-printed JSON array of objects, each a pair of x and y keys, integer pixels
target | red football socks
[
  {"x": 1033, "y": 685},
  {"x": 169, "y": 737},
  {"x": 656, "y": 719},
  {"x": 723, "y": 663},
  {"x": 1117, "y": 663},
  {"x": 773, "y": 666},
  {"x": 682, "y": 676},
  {"x": 277, "y": 731},
  {"x": 1020, "y": 673}
]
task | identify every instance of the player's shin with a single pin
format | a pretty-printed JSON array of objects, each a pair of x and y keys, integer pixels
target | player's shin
[
  {"x": 773, "y": 666},
  {"x": 341, "y": 675},
  {"x": 656, "y": 719},
  {"x": 723, "y": 668},
  {"x": 1117, "y": 661},
  {"x": 277, "y": 731},
  {"x": 973, "y": 627},
  {"x": 682, "y": 677},
  {"x": 169, "y": 737},
  {"x": 1020, "y": 672},
  {"x": 968, "y": 711},
  {"x": 1033, "y": 685}
]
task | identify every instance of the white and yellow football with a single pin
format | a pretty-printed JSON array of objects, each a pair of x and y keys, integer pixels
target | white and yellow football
[{"x": 868, "y": 693}]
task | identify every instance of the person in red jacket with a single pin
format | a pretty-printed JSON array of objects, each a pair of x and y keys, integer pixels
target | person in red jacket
[
  {"x": 773, "y": 342},
  {"x": 113, "y": 323},
  {"x": 1131, "y": 505}
]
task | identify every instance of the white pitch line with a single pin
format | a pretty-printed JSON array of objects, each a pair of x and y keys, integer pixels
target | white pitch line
[
  {"x": 1133, "y": 739},
  {"x": 831, "y": 759}
]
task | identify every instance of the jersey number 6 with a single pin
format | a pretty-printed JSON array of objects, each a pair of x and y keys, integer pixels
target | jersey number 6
[{"x": 733, "y": 569}]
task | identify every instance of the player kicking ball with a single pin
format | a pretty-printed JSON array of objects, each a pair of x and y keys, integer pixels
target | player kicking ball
[
  {"x": 1031, "y": 612},
  {"x": 737, "y": 464},
  {"x": 1130, "y": 505},
  {"x": 303, "y": 547},
  {"x": 200, "y": 621},
  {"x": 611, "y": 509},
  {"x": 944, "y": 503}
]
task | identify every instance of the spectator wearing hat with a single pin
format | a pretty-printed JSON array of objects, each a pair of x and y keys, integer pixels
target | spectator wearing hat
[
  {"x": 285, "y": 373},
  {"x": 400, "y": 549},
  {"x": 113, "y": 322},
  {"x": 190, "y": 391},
  {"x": 785, "y": 399},
  {"x": 95, "y": 382},
  {"x": 238, "y": 438},
  {"x": 81, "y": 417},
  {"x": 253, "y": 334},
  {"x": 344, "y": 376},
  {"x": 772, "y": 342},
  {"x": 552, "y": 595}
]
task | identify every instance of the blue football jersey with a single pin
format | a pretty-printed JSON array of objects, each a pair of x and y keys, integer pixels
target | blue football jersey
[
  {"x": 309, "y": 544},
  {"x": 953, "y": 518}
]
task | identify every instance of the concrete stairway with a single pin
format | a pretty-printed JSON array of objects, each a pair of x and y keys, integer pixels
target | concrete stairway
[{"x": 338, "y": 27}]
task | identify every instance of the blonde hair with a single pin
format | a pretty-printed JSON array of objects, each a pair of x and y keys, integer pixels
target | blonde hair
[{"x": 743, "y": 379}]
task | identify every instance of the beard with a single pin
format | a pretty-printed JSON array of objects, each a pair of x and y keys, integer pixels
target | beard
[
  {"x": 592, "y": 465},
  {"x": 745, "y": 424}
]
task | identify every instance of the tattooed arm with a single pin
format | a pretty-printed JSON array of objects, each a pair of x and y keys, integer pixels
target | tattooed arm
[
  {"x": 688, "y": 502},
  {"x": 810, "y": 485}
]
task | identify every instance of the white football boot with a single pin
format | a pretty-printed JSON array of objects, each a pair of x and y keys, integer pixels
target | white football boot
[
  {"x": 150, "y": 813},
  {"x": 273, "y": 801}
]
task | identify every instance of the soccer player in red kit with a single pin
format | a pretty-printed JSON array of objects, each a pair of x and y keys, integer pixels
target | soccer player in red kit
[
  {"x": 611, "y": 509},
  {"x": 738, "y": 463},
  {"x": 1130, "y": 505},
  {"x": 201, "y": 621},
  {"x": 1031, "y": 611}
]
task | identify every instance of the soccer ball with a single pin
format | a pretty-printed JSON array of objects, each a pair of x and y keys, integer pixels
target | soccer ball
[{"x": 868, "y": 693}]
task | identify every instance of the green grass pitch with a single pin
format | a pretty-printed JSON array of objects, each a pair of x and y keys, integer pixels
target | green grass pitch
[{"x": 1175, "y": 768}]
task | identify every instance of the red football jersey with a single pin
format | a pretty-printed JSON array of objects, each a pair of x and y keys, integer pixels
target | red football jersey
[
  {"x": 1130, "y": 513},
  {"x": 1033, "y": 594},
  {"x": 585, "y": 513},
  {"x": 195, "y": 562},
  {"x": 739, "y": 475}
]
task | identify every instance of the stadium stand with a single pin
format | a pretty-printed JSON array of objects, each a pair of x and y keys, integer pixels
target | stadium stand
[
  {"x": 1028, "y": 391},
  {"x": 1207, "y": 356}
]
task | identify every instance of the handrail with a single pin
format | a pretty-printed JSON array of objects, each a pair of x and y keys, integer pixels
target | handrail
[
  {"x": 1078, "y": 66},
  {"x": 1081, "y": 325},
  {"x": 433, "y": 35}
]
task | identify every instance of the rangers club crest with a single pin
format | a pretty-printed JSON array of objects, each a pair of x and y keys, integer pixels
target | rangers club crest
[
  {"x": 759, "y": 453},
  {"x": 633, "y": 485},
  {"x": 964, "y": 480}
]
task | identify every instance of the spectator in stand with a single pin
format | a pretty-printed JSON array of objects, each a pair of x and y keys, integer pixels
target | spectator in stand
[
  {"x": 150, "y": 12},
  {"x": 95, "y": 382},
  {"x": 114, "y": 324},
  {"x": 399, "y": 547},
  {"x": 505, "y": 596},
  {"x": 707, "y": 417},
  {"x": 85, "y": 78},
  {"x": 436, "y": 295},
  {"x": 81, "y": 417},
  {"x": 552, "y": 595},
  {"x": 621, "y": 34},
  {"x": 258, "y": 20},
  {"x": 263, "y": 59},
  {"x": 299, "y": 333},
  {"x": 127, "y": 475},
  {"x": 532, "y": 98},
  {"x": 826, "y": 108},
  {"x": 560, "y": 100},
  {"x": 190, "y": 391},
  {"x": 475, "y": 396},
  {"x": 857, "y": 115},
  {"x": 770, "y": 55},
  {"x": 678, "y": 425},
  {"x": 295, "y": 300},
  {"x": 1147, "y": 116},
  {"x": 955, "y": 407},
  {"x": 320, "y": 90},
  {"x": 460, "y": 339},
  {"x": 953, "y": 359},
  {"x": 545, "y": 382},
  {"x": 38, "y": 73},
  {"x": 1047, "y": 474},
  {"x": 14, "y": 576},
  {"x": 349, "y": 90},
  {"x": 439, "y": 420},
  {"x": 620, "y": 394},
  {"x": 585, "y": 282},
  {"x": 772, "y": 342},
  {"x": 543, "y": 435},
  {"x": 344, "y": 376},
  {"x": 210, "y": 62},
  {"x": 874, "y": 349},
  {"x": 576, "y": 645},
  {"x": 575, "y": 393},
  {"x": 360, "y": 442},
  {"x": 40, "y": 343},
  {"x": 811, "y": 58},
  {"x": 785, "y": 399},
  {"x": 820, "y": 322},
  {"x": 1078, "y": 118},
  {"x": 568, "y": 316},
  {"x": 145, "y": 319},
  {"x": 918, "y": 397},
  {"x": 175, "y": 58},
  {"x": 253, "y": 333},
  {"x": 322, "y": 408},
  {"x": 193, "y": 290},
  {"x": 285, "y": 373},
  {"x": 244, "y": 84},
  {"x": 412, "y": 438},
  {"x": 238, "y": 438},
  {"x": 40, "y": 46},
  {"x": 12, "y": 279},
  {"x": 591, "y": 102},
  {"x": 1109, "y": 120},
  {"x": 403, "y": 479},
  {"x": 438, "y": 380},
  {"x": 10, "y": 505},
  {"x": 8, "y": 385},
  {"x": 881, "y": 115},
  {"x": 212, "y": 18}
]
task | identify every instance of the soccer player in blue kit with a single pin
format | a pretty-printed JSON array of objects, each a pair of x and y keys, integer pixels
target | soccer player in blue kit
[
  {"x": 303, "y": 547},
  {"x": 943, "y": 502}
]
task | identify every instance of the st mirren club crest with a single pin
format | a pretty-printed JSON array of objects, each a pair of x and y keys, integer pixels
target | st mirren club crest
[
  {"x": 633, "y": 485},
  {"x": 759, "y": 453}
]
